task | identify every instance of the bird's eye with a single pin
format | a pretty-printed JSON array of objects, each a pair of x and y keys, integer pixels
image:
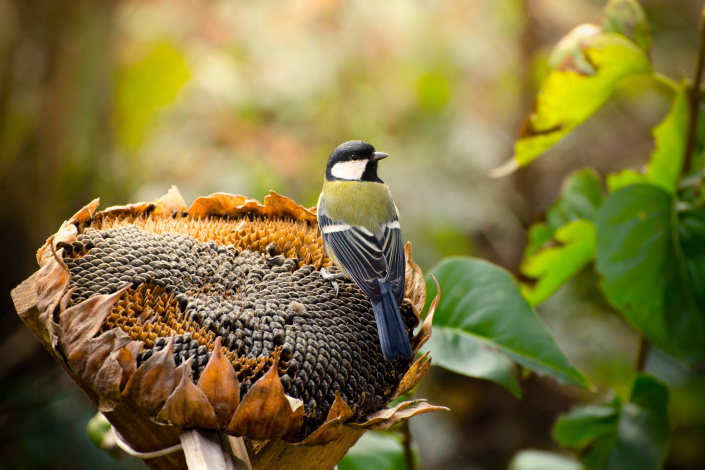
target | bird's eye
[{"x": 354, "y": 156}]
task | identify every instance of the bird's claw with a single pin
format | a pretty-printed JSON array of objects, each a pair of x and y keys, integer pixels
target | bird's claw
[{"x": 332, "y": 277}]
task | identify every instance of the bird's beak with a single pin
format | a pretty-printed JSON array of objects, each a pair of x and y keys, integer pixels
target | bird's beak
[{"x": 378, "y": 156}]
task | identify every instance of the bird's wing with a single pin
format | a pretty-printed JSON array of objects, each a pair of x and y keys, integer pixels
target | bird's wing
[
  {"x": 358, "y": 251},
  {"x": 393, "y": 249}
]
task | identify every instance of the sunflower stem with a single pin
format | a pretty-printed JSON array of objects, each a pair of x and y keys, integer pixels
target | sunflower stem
[{"x": 408, "y": 440}]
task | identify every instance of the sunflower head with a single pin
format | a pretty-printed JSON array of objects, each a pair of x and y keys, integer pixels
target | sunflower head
[{"x": 216, "y": 317}]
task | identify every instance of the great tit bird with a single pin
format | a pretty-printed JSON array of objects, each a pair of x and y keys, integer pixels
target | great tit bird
[{"x": 359, "y": 224}]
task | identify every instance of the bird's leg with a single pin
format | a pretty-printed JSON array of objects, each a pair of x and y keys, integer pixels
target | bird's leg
[
  {"x": 332, "y": 277},
  {"x": 326, "y": 275}
]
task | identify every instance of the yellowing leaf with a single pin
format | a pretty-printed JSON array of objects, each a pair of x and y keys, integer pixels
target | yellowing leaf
[
  {"x": 667, "y": 160},
  {"x": 559, "y": 248},
  {"x": 664, "y": 167},
  {"x": 554, "y": 265},
  {"x": 571, "y": 93},
  {"x": 622, "y": 179}
]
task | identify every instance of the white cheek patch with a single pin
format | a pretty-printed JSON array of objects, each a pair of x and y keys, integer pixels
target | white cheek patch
[
  {"x": 335, "y": 228},
  {"x": 350, "y": 170}
]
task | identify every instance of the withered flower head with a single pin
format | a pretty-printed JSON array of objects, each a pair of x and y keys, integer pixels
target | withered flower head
[{"x": 217, "y": 317}]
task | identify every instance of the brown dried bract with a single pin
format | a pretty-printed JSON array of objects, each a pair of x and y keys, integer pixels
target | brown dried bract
[
  {"x": 152, "y": 383},
  {"x": 265, "y": 412},
  {"x": 219, "y": 383},
  {"x": 188, "y": 406},
  {"x": 332, "y": 428}
]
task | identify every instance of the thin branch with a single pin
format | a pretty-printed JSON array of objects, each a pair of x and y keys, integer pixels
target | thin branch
[
  {"x": 694, "y": 99},
  {"x": 643, "y": 354}
]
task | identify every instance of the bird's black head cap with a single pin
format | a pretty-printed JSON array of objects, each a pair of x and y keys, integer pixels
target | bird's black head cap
[{"x": 355, "y": 151}]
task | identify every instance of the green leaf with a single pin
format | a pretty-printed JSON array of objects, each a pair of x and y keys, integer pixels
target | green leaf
[
  {"x": 666, "y": 161},
  {"x": 643, "y": 433},
  {"x": 573, "y": 92},
  {"x": 615, "y": 436},
  {"x": 627, "y": 17},
  {"x": 145, "y": 86},
  {"x": 623, "y": 179},
  {"x": 541, "y": 460},
  {"x": 579, "y": 428},
  {"x": 691, "y": 234},
  {"x": 465, "y": 354},
  {"x": 539, "y": 234},
  {"x": 581, "y": 197},
  {"x": 651, "y": 258},
  {"x": 374, "y": 450},
  {"x": 554, "y": 265},
  {"x": 564, "y": 245},
  {"x": 483, "y": 301}
]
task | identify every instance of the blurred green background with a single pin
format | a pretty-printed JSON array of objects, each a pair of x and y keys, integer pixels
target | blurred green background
[{"x": 119, "y": 99}]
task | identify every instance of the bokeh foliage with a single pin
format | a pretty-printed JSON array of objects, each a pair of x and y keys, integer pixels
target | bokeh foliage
[
  {"x": 121, "y": 99},
  {"x": 646, "y": 237}
]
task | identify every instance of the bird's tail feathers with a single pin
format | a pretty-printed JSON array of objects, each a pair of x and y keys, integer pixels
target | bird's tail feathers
[{"x": 392, "y": 334}]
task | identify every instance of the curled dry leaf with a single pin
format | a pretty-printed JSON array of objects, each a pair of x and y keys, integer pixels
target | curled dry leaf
[
  {"x": 223, "y": 204},
  {"x": 425, "y": 331},
  {"x": 385, "y": 419},
  {"x": 81, "y": 322},
  {"x": 171, "y": 202},
  {"x": 52, "y": 282},
  {"x": 166, "y": 205},
  {"x": 414, "y": 375},
  {"x": 415, "y": 283},
  {"x": 403, "y": 414},
  {"x": 383, "y": 416},
  {"x": 88, "y": 356},
  {"x": 86, "y": 214},
  {"x": 280, "y": 206}
]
